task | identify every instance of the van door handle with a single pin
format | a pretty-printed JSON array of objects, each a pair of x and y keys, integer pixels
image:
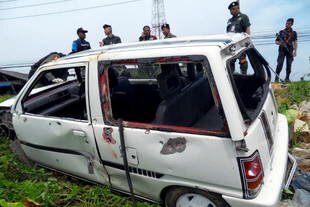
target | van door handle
[{"x": 79, "y": 133}]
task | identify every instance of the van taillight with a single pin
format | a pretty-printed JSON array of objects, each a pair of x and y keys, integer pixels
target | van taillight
[{"x": 252, "y": 174}]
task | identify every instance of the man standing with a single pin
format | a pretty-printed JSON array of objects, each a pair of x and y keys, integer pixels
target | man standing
[
  {"x": 287, "y": 41},
  {"x": 80, "y": 44},
  {"x": 165, "y": 28},
  {"x": 239, "y": 23},
  {"x": 146, "y": 34},
  {"x": 110, "y": 39}
]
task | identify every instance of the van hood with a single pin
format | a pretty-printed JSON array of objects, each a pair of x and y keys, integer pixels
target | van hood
[{"x": 8, "y": 103}]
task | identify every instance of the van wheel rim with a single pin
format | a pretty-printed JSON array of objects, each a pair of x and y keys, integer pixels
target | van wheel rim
[{"x": 194, "y": 200}]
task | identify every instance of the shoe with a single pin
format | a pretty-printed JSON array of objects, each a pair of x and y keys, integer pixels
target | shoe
[{"x": 287, "y": 80}]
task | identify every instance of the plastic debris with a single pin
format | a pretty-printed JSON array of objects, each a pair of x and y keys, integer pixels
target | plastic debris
[{"x": 302, "y": 197}]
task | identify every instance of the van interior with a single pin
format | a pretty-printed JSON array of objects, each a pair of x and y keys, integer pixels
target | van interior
[
  {"x": 176, "y": 93},
  {"x": 251, "y": 88},
  {"x": 58, "y": 93}
]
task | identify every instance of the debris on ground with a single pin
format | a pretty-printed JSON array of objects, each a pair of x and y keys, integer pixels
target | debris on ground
[
  {"x": 301, "y": 181},
  {"x": 302, "y": 197}
]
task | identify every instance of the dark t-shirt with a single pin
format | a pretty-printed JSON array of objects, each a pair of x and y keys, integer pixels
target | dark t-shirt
[
  {"x": 170, "y": 35},
  {"x": 111, "y": 40},
  {"x": 288, "y": 37},
  {"x": 238, "y": 24},
  {"x": 146, "y": 38}
]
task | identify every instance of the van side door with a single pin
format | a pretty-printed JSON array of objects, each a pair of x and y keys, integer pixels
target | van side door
[{"x": 52, "y": 122}]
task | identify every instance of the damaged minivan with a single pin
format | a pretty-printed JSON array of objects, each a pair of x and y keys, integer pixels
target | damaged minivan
[{"x": 169, "y": 121}]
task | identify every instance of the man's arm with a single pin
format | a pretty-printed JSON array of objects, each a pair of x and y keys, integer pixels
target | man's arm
[
  {"x": 74, "y": 47},
  {"x": 247, "y": 24},
  {"x": 278, "y": 39},
  {"x": 295, "y": 44},
  {"x": 295, "y": 48},
  {"x": 248, "y": 30}
]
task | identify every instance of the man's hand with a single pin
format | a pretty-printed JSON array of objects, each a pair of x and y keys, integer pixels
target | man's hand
[
  {"x": 294, "y": 53},
  {"x": 101, "y": 44}
]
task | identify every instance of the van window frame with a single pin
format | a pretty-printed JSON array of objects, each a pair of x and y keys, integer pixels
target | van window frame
[
  {"x": 106, "y": 107},
  {"x": 43, "y": 72},
  {"x": 247, "y": 118}
]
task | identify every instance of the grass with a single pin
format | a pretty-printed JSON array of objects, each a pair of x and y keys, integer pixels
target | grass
[
  {"x": 293, "y": 94},
  {"x": 20, "y": 183},
  {"x": 4, "y": 97}
]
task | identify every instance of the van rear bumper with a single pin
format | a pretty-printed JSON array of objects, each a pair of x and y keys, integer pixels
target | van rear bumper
[{"x": 271, "y": 190}]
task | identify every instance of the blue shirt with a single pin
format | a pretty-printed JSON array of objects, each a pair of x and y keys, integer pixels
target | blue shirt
[{"x": 80, "y": 45}]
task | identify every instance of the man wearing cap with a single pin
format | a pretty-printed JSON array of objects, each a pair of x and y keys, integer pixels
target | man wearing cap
[
  {"x": 287, "y": 41},
  {"x": 110, "y": 39},
  {"x": 80, "y": 44},
  {"x": 165, "y": 28},
  {"x": 146, "y": 34},
  {"x": 239, "y": 23}
]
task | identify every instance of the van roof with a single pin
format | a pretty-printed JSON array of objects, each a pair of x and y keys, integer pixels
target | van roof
[{"x": 222, "y": 40}]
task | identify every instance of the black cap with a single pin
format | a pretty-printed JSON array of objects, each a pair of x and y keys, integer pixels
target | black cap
[
  {"x": 232, "y": 4},
  {"x": 106, "y": 26},
  {"x": 81, "y": 30},
  {"x": 165, "y": 26}
]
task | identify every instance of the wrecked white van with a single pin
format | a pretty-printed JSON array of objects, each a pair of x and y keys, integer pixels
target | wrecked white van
[{"x": 166, "y": 121}]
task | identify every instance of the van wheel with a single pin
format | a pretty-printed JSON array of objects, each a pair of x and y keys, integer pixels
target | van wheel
[{"x": 188, "y": 197}]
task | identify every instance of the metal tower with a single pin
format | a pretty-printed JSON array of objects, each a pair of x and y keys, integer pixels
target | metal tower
[{"x": 158, "y": 17}]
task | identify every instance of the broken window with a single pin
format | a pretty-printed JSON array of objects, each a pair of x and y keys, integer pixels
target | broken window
[
  {"x": 251, "y": 89},
  {"x": 58, "y": 93},
  {"x": 161, "y": 92}
]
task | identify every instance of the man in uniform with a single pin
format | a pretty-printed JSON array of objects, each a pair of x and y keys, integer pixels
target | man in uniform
[
  {"x": 110, "y": 39},
  {"x": 80, "y": 44},
  {"x": 239, "y": 23},
  {"x": 146, "y": 34},
  {"x": 165, "y": 28},
  {"x": 287, "y": 41}
]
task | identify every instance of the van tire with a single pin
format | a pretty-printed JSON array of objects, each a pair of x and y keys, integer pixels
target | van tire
[{"x": 175, "y": 193}]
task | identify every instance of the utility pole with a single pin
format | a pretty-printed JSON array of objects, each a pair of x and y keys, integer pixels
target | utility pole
[{"x": 158, "y": 17}]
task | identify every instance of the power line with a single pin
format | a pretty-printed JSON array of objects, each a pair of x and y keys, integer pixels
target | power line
[
  {"x": 7, "y": 1},
  {"x": 72, "y": 10},
  {"x": 34, "y": 5}
]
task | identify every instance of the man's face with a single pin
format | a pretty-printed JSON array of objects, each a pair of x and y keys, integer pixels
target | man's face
[
  {"x": 108, "y": 31},
  {"x": 289, "y": 24},
  {"x": 235, "y": 10},
  {"x": 146, "y": 31},
  {"x": 82, "y": 35},
  {"x": 165, "y": 31}
]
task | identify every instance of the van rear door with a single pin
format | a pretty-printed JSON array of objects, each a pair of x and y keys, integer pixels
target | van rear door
[{"x": 256, "y": 102}]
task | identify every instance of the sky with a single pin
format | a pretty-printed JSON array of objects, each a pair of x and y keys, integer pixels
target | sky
[{"x": 28, "y": 39}]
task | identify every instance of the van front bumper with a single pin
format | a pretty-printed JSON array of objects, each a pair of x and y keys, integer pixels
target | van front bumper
[{"x": 271, "y": 190}]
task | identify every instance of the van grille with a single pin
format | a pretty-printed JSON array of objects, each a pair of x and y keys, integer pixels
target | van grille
[{"x": 146, "y": 173}]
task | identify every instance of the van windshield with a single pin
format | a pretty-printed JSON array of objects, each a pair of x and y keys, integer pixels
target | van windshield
[
  {"x": 167, "y": 92},
  {"x": 250, "y": 77}
]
